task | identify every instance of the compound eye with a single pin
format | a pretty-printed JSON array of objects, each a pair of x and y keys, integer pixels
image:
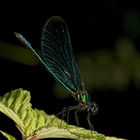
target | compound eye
[{"x": 94, "y": 109}]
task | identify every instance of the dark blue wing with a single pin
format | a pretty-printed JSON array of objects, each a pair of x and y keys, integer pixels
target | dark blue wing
[{"x": 58, "y": 55}]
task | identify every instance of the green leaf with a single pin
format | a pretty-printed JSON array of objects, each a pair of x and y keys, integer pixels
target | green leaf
[
  {"x": 114, "y": 138},
  {"x": 56, "y": 128},
  {"x": 15, "y": 105},
  {"x": 36, "y": 124},
  {"x": 8, "y": 136}
]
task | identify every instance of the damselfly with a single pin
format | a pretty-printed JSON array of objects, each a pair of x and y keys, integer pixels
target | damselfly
[{"x": 58, "y": 58}]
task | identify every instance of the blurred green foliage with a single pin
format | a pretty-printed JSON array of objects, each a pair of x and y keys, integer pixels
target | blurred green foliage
[
  {"x": 105, "y": 69},
  {"x": 17, "y": 54}
]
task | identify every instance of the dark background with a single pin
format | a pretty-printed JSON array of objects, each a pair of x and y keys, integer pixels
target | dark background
[{"x": 93, "y": 26}]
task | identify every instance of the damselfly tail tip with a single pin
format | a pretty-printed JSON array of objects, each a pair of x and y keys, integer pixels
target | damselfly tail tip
[
  {"x": 16, "y": 34},
  {"x": 22, "y": 39}
]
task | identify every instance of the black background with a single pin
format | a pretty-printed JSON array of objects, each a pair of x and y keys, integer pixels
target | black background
[{"x": 96, "y": 24}]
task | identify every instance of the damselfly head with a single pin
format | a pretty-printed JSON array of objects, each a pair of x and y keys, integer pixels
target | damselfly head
[{"x": 93, "y": 108}]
